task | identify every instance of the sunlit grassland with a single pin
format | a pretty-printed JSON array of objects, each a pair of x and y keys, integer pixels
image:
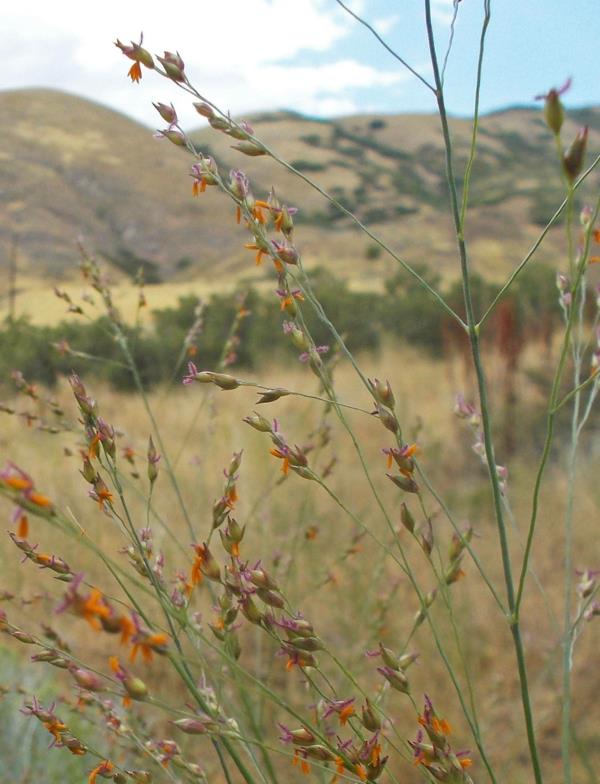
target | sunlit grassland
[{"x": 327, "y": 565}]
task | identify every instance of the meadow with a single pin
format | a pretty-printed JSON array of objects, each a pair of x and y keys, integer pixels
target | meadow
[{"x": 331, "y": 570}]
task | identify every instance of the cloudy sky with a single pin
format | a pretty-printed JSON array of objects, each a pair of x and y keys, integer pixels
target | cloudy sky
[{"x": 306, "y": 55}]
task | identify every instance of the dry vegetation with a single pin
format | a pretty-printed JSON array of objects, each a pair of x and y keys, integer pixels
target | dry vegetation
[
  {"x": 319, "y": 555},
  {"x": 129, "y": 195}
]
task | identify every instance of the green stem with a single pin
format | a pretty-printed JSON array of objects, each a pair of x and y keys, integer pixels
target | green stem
[{"x": 473, "y": 331}]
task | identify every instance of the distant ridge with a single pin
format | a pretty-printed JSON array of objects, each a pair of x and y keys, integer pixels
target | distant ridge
[{"x": 71, "y": 167}]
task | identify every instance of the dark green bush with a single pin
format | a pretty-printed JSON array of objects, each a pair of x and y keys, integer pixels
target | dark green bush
[{"x": 403, "y": 310}]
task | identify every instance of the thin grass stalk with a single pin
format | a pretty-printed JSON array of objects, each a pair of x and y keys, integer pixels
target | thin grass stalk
[
  {"x": 473, "y": 332},
  {"x": 553, "y": 408}
]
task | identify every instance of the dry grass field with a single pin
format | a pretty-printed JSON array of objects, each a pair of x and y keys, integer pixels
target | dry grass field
[{"x": 351, "y": 590}]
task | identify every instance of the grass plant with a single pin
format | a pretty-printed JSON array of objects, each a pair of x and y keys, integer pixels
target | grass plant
[{"x": 337, "y": 578}]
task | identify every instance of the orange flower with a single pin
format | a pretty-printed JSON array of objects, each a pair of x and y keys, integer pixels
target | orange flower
[
  {"x": 94, "y": 446},
  {"x": 282, "y": 456},
  {"x": 139, "y": 56},
  {"x": 93, "y": 608},
  {"x": 339, "y": 768},
  {"x": 298, "y": 760},
  {"x": 260, "y": 252},
  {"x": 39, "y": 500},
  {"x": 135, "y": 74},
  {"x": 199, "y": 186},
  {"x": 23, "y": 525},
  {"x": 17, "y": 482},
  {"x": 257, "y": 211},
  {"x": 197, "y": 576},
  {"x": 231, "y": 497},
  {"x": 55, "y": 727},
  {"x": 127, "y": 628},
  {"x": 440, "y": 726},
  {"x": 345, "y": 714},
  {"x": 101, "y": 494},
  {"x": 361, "y": 771},
  {"x": 148, "y": 644},
  {"x": 104, "y": 769}
]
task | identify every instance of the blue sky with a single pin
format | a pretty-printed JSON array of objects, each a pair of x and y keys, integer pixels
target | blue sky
[
  {"x": 307, "y": 55},
  {"x": 531, "y": 45}
]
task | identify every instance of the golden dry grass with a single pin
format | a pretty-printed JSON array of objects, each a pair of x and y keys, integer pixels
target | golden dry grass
[{"x": 353, "y": 593}]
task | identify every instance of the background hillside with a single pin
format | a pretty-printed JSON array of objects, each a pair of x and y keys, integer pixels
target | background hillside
[{"x": 70, "y": 167}]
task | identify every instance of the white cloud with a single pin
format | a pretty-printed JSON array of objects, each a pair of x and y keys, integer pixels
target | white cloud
[
  {"x": 386, "y": 24},
  {"x": 234, "y": 49}
]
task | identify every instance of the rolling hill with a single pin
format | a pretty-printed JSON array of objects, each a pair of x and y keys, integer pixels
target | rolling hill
[{"x": 69, "y": 167}]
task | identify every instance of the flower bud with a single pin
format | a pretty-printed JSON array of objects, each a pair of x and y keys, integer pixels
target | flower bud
[
  {"x": 250, "y": 148},
  {"x": 250, "y": 610},
  {"x": 236, "y": 461},
  {"x": 153, "y": 458},
  {"x": 173, "y": 65},
  {"x": 389, "y": 658},
  {"x": 230, "y": 546},
  {"x": 307, "y": 643},
  {"x": 258, "y": 422},
  {"x": 404, "y": 483},
  {"x": 574, "y": 157},
  {"x": 270, "y": 597},
  {"x": 203, "y": 109},
  {"x": 407, "y": 659},
  {"x": 286, "y": 222},
  {"x": 135, "y": 687},
  {"x": 232, "y": 645},
  {"x": 191, "y": 726},
  {"x": 225, "y": 381},
  {"x": 45, "y": 656},
  {"x": 388, "y": 419},
  {"x": 21, "y": 636},
  {"x": 74, "y": 745},
  {"x": 175, "y": 137},
  {"x": 270, "y": 395},
  {"x": 209, "y": 566},
  {"x": 302, "y": 628},
  {"x": 553, "y": 112},
  {"x": 454, "y": 572},
  {"x": 396, "y": 678},
  {"x": 370, "y": 719},
  {"x": 298, "y": 337},
  {"x": 302, "y": 737},
  {"x": 406, "y": 518},
  {"x": 459, "y": 542},
  {"x": 382, "y": 392},
  {"x": 88, "y": 472},
  {"x": 286, "y": 253},
  {"x": 302, "y": 471},
  {"x": 168, "y": 113},
  {"x": 426, "y": 535},
  {"x": 261, "y": 579},
  {"x": 219, "y": 123},
  {"x": 235, "y": 531},
  {"x": 318, "y": 752},
  {"x": 86, "y": 679}
]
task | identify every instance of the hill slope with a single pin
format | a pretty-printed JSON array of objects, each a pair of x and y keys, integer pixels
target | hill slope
[{"x": 70, "y": 167}]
